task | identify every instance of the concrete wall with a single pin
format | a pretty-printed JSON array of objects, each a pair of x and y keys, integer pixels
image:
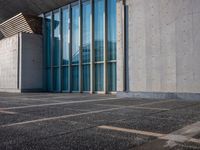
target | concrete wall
[
  {"x": 9, "y": 64},
  {"x": 21, "y": 63},
  {"x": 31, "y": 62},
  {"x": 163, "y": 46}
]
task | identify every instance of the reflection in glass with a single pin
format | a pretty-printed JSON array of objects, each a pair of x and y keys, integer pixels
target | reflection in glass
[
  {"x": 48, "y": 39},
  {"x": 111, "y": 24},
  {"x": 75, "y": 48},
  {"x": 58, "y": 77},
  {"x": 75, "y": 78},
  {"x": 48, "y": 79},
  {"x": 99, "y": 44},
  {"x": 56, "y": 83},
  {"x": 86, "y": 77},
  {"x": 75, "y": 34},
  {"x": 112, "y": 77},
  {"x": 99, "y": 71},
  {"x": 111, "y": 13},
  {"x": 56, "y": 27},
  {"x": 65, "y": 49},
  {"x": 65, "y": 36},
  {"x": 65, "y": 81},
  {"x": 98, "y": 29},
  {"x": 56, "y": 49},
  {"x": 86, "y": 8},
  {"x": 48, "y": 50}
]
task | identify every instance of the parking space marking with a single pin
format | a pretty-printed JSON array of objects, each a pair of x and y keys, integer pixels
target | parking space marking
[
  {"x": 44, "y": 98},
  {"x": 59, "y": 117},
  {"x": 66, "y": 116},
  {"x": 131, "y": 131},
  {"x": 185, "y": 134},
  {"x": 60, "y": 103},
  {"x": 156, "y": 102},
  {"x": 7, "y": 112},
  {"x": 136, "y": 107}
]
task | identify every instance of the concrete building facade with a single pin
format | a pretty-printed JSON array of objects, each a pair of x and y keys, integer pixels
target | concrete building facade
[{"x": 157, "y": 49}]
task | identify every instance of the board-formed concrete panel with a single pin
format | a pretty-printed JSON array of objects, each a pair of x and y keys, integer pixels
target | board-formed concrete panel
[
  {"x": 9, "y": 63},
  {"x": 31, "y": 62},
  {"x": 164, "y": 46},
  {"x": 21, "y": 63}
]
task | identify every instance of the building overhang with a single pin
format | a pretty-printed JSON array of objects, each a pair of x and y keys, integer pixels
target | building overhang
[{"x": 10, "y": 8}]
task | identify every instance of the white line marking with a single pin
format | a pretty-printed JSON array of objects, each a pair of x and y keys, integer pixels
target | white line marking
[
  {"x": 131, "y": 131},
  {"x": 64, "y": 116},
  {"x": 44, "y": 98},
  {"x": 60, "y": 103},
  {"x": 149, "y": 108},
  {"x": 7, "y": 112},
  {"x": 156, "y": 102},
  {"x": 135, "y": 106},
  {"x": 59, "y": 117},
  {"x": 172, "y": 138}
]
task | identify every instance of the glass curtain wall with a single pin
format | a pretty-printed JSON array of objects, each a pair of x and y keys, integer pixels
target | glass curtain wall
[
  {"x": 75, "y": 48},
  {"x": 56, "y": 51},
  {"x": 99, "y": 44},
  {"x": 48, "y": 35},
  {"x": 65, "y": 49},
  {"x": 65, "y": 57},
  {"x": 111, "y": 43},
  {"x": 86, "y": 11}
]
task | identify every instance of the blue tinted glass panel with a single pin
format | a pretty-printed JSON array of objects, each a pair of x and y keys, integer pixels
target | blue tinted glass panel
[
  {"x": 75, "y": 78},
  {"x": 86, "y": 10},
  {"x": 99, "y": 82},
  {"x": 65, "y": 77},
  {"x": 48, "y": 79},
  {"x": 56, "y": 26},
  {"x": 99, "y": 30},
  {"x": 56, "y": 82},
  {"x": 112, "y": 76},
  {"x": 86, "y": 77},
  {"x": 111, "y": 13},
  {"x": 65, "y": 36},
  {"x": 48, "y": 39},
  {"x": 75, "y": 34}
]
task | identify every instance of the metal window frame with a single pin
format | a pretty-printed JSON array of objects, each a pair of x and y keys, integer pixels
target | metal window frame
[
  {"x": 92, "y": 62},
  {"x": 77, "y": 3},
  {"x": 59, "y": 64},
  {"x": 67, "y": 7}
]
